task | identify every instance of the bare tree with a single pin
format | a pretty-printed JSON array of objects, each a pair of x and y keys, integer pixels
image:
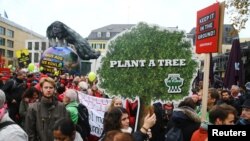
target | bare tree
[{"x": 238, "y": 11}]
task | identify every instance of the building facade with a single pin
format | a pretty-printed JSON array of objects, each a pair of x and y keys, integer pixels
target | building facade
[
  {"x": 98, "y": 39},
  {"x": 36, "y": 49},
  {"x": 13, "y": 37}
]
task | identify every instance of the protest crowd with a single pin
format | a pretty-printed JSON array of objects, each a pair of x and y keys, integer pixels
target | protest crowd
[{"x": 43, "y": 107}]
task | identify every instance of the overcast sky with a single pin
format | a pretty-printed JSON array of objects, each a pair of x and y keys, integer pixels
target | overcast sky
[{"x": 86, "y": 15}]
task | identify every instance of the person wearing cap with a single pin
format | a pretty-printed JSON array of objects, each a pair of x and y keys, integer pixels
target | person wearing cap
[
  {"x": 10, "y": 132},
  {"x": 41, "y": 115},
  {"x": 245, "y": 114}
]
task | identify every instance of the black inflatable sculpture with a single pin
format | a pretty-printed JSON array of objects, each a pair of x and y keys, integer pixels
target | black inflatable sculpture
[{"x": 62, "y": 32}]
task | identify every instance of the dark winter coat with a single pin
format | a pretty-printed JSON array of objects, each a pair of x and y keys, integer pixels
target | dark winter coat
[
  {"x": 41, "y": 117},
  {"x": 186, "y": 119}
]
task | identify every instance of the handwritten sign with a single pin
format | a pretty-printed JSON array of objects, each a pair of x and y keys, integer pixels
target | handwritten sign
[
  {"x": 52, "y": 63},
  {"x": 96, "y": 107}
]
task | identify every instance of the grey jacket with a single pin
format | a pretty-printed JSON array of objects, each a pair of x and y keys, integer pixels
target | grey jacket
[
  {"x": 12, "y": 132},
  {"x": 41, "y": 117}
]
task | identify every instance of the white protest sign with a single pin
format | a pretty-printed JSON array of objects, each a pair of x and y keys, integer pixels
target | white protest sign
[{"x": 96, "y": 107}]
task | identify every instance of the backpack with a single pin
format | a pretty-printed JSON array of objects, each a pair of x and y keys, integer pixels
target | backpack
[
  {"x": 6, "y": 123},
  {"x": 83, "y": 121},
  {"x": 174, "y": 134}
]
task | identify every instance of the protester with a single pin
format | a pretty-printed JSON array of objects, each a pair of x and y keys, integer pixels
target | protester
[
  {"x": 41, "y": 115},
  {"x": 11, "y": 131},
  {"x": 14, "y": 89},
  {"x": 212, "y": 99},
  {"x": 245, "y": 114},
  {"x": 116, "y": 135},
  {"x": 116, "y": 102},
  {"x": 185, "y": 118},
  {"x": 30, "y": 95},
  {"x": 83, "y": 87},
  {"x": 223, "y": 114},
  {"x": 65, "y": 130},
  {"x": 70, "y": 101},
  {"x": 117, "y": 119}
]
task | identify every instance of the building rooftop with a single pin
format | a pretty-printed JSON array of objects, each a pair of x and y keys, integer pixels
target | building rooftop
[
  {"x": 24, "y": 29},
  {"x": 113, "y": 29}
]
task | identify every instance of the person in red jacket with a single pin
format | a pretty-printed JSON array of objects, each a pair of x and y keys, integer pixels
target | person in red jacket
[{"x": 223, "y": 114}]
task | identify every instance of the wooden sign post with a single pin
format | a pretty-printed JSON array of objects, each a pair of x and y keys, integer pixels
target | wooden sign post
[{"x": 208, "y": 39}]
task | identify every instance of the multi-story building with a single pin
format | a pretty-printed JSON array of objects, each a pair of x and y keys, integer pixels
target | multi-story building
[
  {"x": 36, "y": 48},
  {"x": 98, "y": 39},
  {"x": 13, "y": 37}
]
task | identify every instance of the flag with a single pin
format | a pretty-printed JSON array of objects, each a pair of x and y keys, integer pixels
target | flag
[
  {"x": 5, "y": 14},
  {"x": 234, "y": 74}
]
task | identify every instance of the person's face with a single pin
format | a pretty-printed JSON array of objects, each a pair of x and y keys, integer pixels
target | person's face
[
  {"x": 195, "y": 98},
  {"x": 225, "y": 96},
  {"x": 58, "y": 136},
  {"x": 229, "y": 120},
  {"x": 48, "y": 89},
  {"x": 66, "y": 100},
  {"x": 118, "y": 103},
  {"x": 35, "y": 96},
  {"x": 210, "y": 101},
  {"x": 200, "y": 95},
  {"x": 234, "y": 91},
  {"x": 124, "y": 121},
  {"x": 2, "y": 112},
  {"x": 245, "y": 114},
  {"x": 22, "y": 76}
]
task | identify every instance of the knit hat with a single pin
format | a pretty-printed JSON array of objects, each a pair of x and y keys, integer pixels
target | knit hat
[
  {"x": 71, "y": 94},
  {"x": 2, "y": 98}
]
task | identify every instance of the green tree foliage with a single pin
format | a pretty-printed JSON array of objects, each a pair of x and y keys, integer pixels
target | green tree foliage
[
  {"x": 238, "y": 11},
  {"x": 145, "y": 42}
]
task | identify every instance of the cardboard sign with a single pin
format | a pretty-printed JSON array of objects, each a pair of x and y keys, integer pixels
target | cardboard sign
[{"x": 207, "y": 29}]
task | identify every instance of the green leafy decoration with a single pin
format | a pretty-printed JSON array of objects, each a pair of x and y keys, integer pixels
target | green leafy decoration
[{"x": 145, "y": 42}]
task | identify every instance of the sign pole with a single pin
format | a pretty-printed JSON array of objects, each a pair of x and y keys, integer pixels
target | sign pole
[{"x": 205, "y": 86}]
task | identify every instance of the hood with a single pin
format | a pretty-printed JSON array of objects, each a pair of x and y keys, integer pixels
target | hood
[{"x": 183, "y": 114}]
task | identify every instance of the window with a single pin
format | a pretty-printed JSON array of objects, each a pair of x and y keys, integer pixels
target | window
[
  {"x": 2, "y": 52},
  {"x": 36, "y": 57},
  {"x": 36, "y": 45},
  {"x": 43, "y": 46},
  {"x": 2, "y": 30},
  {"x": 99, "y": 34},
  {"x": 29, "y": 45},
  {"x": 10, "y": 44},
  {"x": 97, "y": 46},
  {"x": 2, "y": 41},
  {"x": 227, "y": 29},
  {"x": 10, "y": 33},
  {"x": 108, "y": 34},
  {"x": 10, "y": 53},
  {"x": 30, "y": 55},
  {"x": 228, "y": 40},
  {"x": 103, "y": 46}
]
